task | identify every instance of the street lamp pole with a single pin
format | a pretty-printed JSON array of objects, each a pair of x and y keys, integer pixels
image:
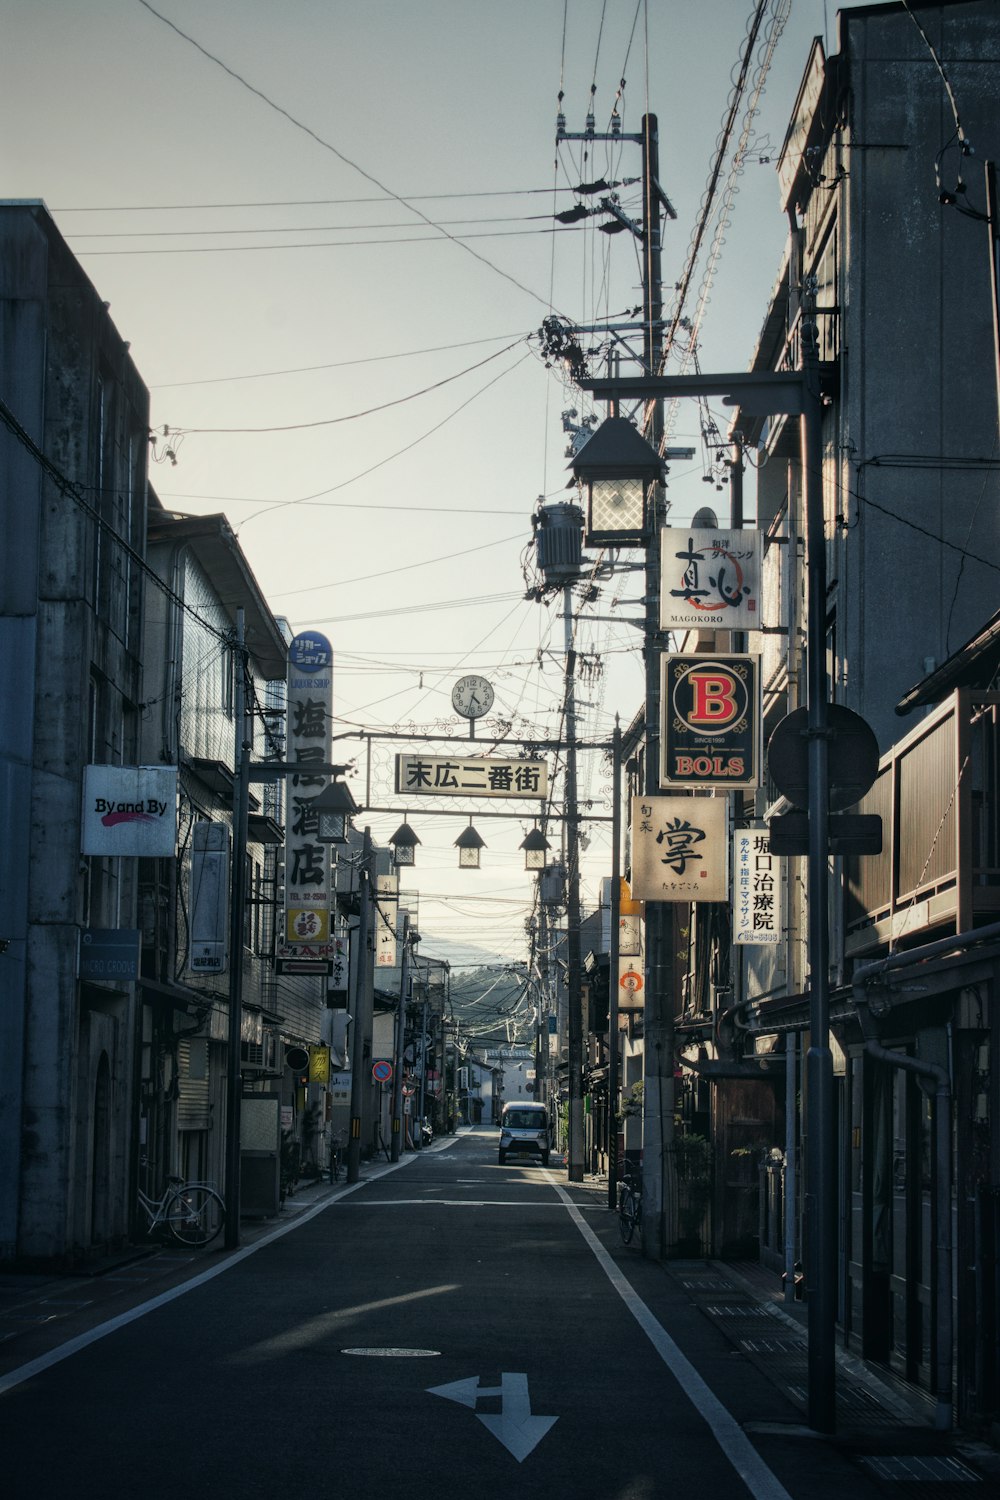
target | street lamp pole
[
  {"x": 793, "y": 393},
  {"x": 359, "y": 1083}
]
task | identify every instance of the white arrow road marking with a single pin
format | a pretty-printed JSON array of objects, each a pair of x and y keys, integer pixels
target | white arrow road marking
[{"x": 515, "y": 1426}]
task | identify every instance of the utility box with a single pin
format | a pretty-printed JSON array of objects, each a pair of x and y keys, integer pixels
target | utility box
[
  {"x": 559, "y": 542},
  {"x": 260, "y": 1156}
]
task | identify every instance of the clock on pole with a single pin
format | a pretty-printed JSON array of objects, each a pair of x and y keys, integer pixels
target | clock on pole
[{"x": 472, "y": 696}]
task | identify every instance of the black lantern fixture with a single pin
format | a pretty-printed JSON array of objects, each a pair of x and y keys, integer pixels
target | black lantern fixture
[
  {"x": 534, "y": 845},
  {"x": 617, "y": 467},
  {"x": 335, "y": 806},
  {"x": 468, "y": 844},
  {"x": 404, "y": 845}
]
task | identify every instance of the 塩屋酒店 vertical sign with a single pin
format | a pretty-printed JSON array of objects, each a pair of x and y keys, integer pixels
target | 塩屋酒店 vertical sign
[
  {"x": 710, "y": 722},
  {"x": 308, "y": 741}
]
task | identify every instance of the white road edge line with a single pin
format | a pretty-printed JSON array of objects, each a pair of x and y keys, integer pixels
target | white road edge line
[
  {"x": 737, "y": 1447},
  {"x": 34, "y": 1367}
]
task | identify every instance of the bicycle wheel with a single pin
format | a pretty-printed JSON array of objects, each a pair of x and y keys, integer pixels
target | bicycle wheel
[
  {"x": 195, "y": 1215},
  {"x": 628, "y": 1215}
]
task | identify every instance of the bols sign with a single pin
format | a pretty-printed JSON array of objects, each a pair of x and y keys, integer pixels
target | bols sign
[{"x": 710, "y": 735}]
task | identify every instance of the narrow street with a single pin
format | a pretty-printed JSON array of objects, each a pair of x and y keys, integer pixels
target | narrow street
[{"x": 448, "y": 1324}]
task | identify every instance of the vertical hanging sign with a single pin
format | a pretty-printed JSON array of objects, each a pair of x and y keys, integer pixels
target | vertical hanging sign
[
  {"x": 386, "y": 920},
  {"x": 308, "y": 740},
  {"x": 757, "y": 875}
]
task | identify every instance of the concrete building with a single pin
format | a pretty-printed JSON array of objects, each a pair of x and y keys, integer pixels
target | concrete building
[{"x": 73, "y": 447}]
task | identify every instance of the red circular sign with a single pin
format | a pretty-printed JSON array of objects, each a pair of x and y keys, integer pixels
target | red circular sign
[
  {"x": 631, "y": 981},
  {"x": 382, "y": 1071}
]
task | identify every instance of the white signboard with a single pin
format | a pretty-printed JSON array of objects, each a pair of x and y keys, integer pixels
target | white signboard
[
  {"x": 488, "y": 776},
  {"x": 130, "y": 810},
  {"x": 756, "y": 888},
  {"x": 679, "y": 849},
  {"x": 630, "y": 984},
  {"x": 340, "y": 1088},
  {"x": 386, "y": 919},
  {"x": 709, "y": 579},
  {"x": 628, "y": 935}
]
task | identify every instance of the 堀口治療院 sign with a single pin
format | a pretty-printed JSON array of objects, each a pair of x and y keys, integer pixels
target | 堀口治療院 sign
[
  {"x": 710, "y": 722},
  {"x": 485, "y": 776},
  {"x": 129, "y": 810}
]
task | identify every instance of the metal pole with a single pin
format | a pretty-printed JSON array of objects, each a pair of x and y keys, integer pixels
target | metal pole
[
  {"x": 993, "y": 228},
  {"x": 790, "y": 1213},
  {"x": 820, "y": 1200},
  {"x": 237, "y": 913},
  {"x": 359, "y": 1083},
  {"x": 658, "y": 1177},
  {"x": 614, "y": 1082},
  {"x": 397, "y": 1064},
  {"x": 574, "y": 983}
]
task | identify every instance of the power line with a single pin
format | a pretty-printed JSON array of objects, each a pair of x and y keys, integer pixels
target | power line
[{"x": 341, "y": 156}]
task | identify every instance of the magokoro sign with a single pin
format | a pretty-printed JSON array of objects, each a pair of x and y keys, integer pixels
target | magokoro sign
[
  {"x": 129, "y": 810},
  {"x": 710, "y": 579},
  {"x": 710, "y": 732}
]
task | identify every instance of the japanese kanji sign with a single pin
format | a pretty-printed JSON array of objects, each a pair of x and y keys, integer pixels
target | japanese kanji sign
[
  {"x": 307, "y": 861},
  {"x": 710, "y": 731},
  {"x": 386, "y": 918},
  {"x": 709, "y": 579},
  {"x": 679, "y": 849},
  {"x": 450, "y": 776},
  {"x": 757, "y": 875}
]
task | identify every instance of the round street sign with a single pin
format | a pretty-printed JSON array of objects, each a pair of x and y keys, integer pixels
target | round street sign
[
  {"x": 852, "y": 757},
  {"x": 382, "y": 1070}
]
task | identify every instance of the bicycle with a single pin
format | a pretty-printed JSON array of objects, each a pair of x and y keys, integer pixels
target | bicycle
[
  {"x": 337, "y": 1144},
  {"x": 192, "y": 1212},
  {"x": 629, "y": 1208}
]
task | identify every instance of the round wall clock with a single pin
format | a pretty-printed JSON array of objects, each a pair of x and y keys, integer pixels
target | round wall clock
[{"x": 472, "y": 697}]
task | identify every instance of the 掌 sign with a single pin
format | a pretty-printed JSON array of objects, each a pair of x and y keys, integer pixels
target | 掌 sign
[{"x": 679, "y": 849}]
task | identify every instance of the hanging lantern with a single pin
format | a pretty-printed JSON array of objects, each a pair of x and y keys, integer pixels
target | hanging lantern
[
  {"x": 334, "y": 807},
  {"x": 534, "y": 845},
  {"x": 617, "y": 467},
  {"x": 468, "y": 844},
  {"x": 404, "y": 845}
]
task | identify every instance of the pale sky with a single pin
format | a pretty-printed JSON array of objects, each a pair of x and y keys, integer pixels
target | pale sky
[{"x": 399, "y": 534}]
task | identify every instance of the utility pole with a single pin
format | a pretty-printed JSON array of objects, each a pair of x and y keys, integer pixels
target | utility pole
[
  {"x": 614, "y": 1035},
  {"x": 237, "y": 915},
  {"x": 658, "y": 1160},
  {"x": 397, "y": 1074},
  {"x": 362, "y": 1004},
  {"x": 574, "y": 987}
]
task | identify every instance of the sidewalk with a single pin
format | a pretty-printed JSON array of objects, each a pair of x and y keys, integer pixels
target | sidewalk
[{"x": 886, "y": 1424}]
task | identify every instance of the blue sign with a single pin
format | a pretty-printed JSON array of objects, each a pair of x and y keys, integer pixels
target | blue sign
[{"x": 310, "y": 652}]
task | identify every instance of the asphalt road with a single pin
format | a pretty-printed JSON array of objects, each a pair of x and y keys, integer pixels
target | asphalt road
[{"x": 451, "y": 1327}]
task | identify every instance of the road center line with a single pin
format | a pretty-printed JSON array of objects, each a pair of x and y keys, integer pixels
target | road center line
[{"x": 758, "y": 1478}]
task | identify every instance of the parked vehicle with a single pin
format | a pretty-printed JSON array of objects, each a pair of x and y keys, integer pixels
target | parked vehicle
[{"x": 524, "y": 1131}]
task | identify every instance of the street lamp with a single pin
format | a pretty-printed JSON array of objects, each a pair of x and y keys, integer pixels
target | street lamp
[
  {"x": 617, "y": 467},
  {"x": 404, "y": 845},
  {"x": 335, "y": 806},
  {"x": 534, "y": 845},
  {"x": 468, "y": 844}
]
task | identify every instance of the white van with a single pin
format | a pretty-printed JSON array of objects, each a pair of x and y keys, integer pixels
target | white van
[{"x": 524, "y": 1131}]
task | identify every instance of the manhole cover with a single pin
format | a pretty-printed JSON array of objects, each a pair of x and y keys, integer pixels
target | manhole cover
[{"x": 394, "y": 1353}]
